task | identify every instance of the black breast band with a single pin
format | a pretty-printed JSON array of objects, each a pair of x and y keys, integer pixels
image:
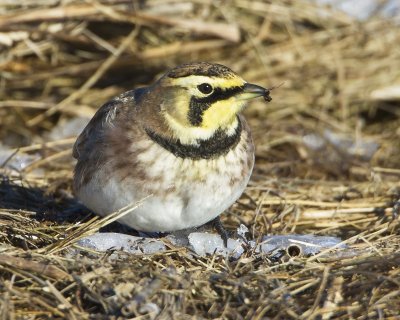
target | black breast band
[{"x": 219, "y": 144}]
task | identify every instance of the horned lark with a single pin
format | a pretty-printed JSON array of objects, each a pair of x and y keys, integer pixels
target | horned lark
[{"x": 181, "y": 140}]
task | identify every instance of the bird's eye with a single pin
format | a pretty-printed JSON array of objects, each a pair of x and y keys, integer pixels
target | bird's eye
[{"x": 205, "y": 88}]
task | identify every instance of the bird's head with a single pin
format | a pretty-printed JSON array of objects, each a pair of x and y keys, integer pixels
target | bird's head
[{"x": 198, "y": 99}]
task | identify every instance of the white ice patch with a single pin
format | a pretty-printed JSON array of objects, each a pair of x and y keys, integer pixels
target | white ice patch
[
  {"x": 364, "y": 9},
  {"x": 344, "y": 144},
  {"x": 123, "y": 242},
  {"x": 68, "y": 128},
  {"x": 14, "y": 160},
  {"x": 207, "y": 244},
  {"x": 203, "y": 244}
]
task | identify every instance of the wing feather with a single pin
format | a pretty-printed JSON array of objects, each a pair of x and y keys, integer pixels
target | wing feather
[{"x": 103, "y": 119}]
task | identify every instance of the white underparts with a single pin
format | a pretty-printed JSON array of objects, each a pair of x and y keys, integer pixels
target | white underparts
[{"x": 186, "y": 192}]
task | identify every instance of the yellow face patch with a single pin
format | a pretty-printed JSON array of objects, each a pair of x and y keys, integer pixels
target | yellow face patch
[
  {"x": 193, "y": 114},
  {"x": 222, "y": 113}
]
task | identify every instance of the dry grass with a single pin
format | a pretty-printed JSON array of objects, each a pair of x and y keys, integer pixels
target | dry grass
[{"x": 62, "y": 61}]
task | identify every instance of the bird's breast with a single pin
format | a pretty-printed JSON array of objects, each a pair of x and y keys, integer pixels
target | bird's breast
[{"x": 185, "y": 192}]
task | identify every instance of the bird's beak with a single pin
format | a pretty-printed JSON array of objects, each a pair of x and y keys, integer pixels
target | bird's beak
[{"x": 251, "y": 91}]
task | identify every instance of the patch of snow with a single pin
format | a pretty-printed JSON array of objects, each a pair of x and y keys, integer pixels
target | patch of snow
[
  {"x": 209, "y": 243},
  {"x": 203, "y": 244},
  {"x": 14, "y": 160},
  {"x": 364, "y": 9},
  {"x": 68, "y": 129},
  {"x": 308, "y": 244},
  {"x": 362, "y": 148},
  {"x": 119, "y": 241}
]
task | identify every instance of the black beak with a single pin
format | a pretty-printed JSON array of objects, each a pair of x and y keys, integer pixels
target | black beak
[{"x": 257, "y": 91}]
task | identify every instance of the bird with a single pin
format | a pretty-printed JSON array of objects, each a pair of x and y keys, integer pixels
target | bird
[{"x": 182, "y": 141}]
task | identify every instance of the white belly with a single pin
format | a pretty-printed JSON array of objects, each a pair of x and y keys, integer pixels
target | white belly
[{"x": 184, "y": 193}]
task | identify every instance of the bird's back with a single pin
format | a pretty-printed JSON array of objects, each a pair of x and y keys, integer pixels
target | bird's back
[{"x": 91, "y": 145}]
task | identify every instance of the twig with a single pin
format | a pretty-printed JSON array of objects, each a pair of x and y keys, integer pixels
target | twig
[{"x": 38, "y": 267}]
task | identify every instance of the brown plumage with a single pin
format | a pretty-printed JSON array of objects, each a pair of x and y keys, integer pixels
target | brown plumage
[{"x": 181, "y": 140}]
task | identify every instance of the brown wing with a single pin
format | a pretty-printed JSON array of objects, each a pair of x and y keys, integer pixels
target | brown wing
[{"x": 103, "y": 119}]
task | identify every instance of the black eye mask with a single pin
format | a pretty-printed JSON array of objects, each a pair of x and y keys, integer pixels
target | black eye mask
[{"x": 200, "y": 104}]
